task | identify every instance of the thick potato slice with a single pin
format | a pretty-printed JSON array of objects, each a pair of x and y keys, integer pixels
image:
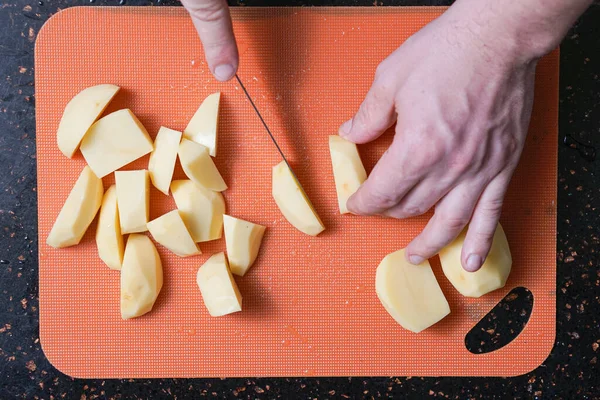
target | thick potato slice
[
  {"x": 293, "y": 202},
  {"x": 170, "y": 231},
  {"x": 133, "y": 198},
  {"x": 162, "y": 160},
  {"x": 201, "y": 209},
  {"x": 78, "y": 212},
  {"x": 493, "y": 273},
  {"x": 218, "y": 288},
  {"x": 108, "y": 234},
  {"x": 202, "y": 128},
  {"x": 410, "y": 293},
  {"x": 348, "y": 170},
  {"x": 199, "y": 166},
  {"x": 243, "y": 241},
  {"x": 79, "y": 115},
  {"x": 141, "y": 277},
  {"x": 114, "y": 141}
]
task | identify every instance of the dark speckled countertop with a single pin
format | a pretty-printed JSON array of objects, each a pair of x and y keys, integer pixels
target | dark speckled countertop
[{"x": 570, "y": 372}]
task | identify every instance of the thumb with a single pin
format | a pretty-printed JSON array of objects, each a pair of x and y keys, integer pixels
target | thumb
[
  {"x": 213, "y": 23},
  {"x": 375, "y": 115}
]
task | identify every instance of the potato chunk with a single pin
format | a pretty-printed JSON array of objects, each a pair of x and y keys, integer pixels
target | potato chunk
[
  {"x": 162, "y": 160},
  {"x": 218, "y": 288},
  {"x": 202, "y": 128},
  {"x": 348, "y": 170},
  {"x": 410, "y": 293},
  {"x": 141, "y": 277},
  {"x": 493, "y": 273},
  {"x": 243, "y": 241},
  {"x": 78, "y": 212},
  {"x": 199, "y": 166},
  {"x": 133, "y": 198},
  {"x": 293, "y": 202},
  {"x": 170, "y": 231},
  {"x": 108, "y": 234}
]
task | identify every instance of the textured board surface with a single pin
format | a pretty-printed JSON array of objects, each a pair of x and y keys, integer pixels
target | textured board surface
[{"x": 310, "y": 308}]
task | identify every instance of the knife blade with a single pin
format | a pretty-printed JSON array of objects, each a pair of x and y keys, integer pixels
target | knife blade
[{"x": 272, "y": 136}]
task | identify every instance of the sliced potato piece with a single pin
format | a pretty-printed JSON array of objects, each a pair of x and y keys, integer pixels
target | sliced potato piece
[
  {"x": 141, "y": 277},
  {"x": 133, "y": 198},
  {"x": 108, "y": 234},
  {"x": 79, "y": 115},
  {"x": 78, "y": 212},
  {"x": 114, "y": 141},
  {"x": 348, "y": 170},
  {"x": 410, "y": 293},
  {"x": 218, "y": 288},
  {"x": 199, "y": 166},
  {"x": 201, "y": 209},
  {"x": 202, "y": 128},
  {"x": 293, "y": 202},
  {"x": 170, "y": 231},
  {"x": 162, "y": 160},
  {"x": 493, "y": 273},
  {"x": 243, "y": 241}
]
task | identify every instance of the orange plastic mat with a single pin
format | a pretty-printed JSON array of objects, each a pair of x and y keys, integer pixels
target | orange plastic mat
[{"x": 310, "y": 307}]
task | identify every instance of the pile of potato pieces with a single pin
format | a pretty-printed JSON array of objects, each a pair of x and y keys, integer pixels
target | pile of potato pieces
[
  {"x": 201, "y": 215},
  {"x": 117, "y": 139}
]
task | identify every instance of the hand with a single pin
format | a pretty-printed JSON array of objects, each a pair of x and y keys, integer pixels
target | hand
[
  {"x": 213, "y": 23},
  {"x": 461, "y": 108}
]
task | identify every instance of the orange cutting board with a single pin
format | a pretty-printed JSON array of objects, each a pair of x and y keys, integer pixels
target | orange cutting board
[{"x": 310, "y": 307}]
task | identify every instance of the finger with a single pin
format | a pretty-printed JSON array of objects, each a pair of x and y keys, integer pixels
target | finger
[
  {"x": 375, "y": 115},
  {"x": 483, "y": 224},
  {"x": 213, "y": 23},
  {"x": 386, "y": 186},
  {"x": 452, "y": 214},
  {"x": 421, "y": 198}
]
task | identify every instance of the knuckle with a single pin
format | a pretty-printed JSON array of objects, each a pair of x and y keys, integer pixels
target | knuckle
[
  {"x": 383, "y": 199},
  {"x": 453, "y": 222},
  {"x": 207, "y": 11}
]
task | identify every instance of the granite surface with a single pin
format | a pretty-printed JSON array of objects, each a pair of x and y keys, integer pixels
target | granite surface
[{"x": 570, "y": 372}]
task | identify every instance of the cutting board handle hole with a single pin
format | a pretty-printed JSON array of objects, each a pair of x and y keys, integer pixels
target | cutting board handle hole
[{"x": 502, "y": 324}]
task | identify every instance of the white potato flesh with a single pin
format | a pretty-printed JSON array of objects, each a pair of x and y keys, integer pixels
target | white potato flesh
[
  {"x": 114, "y": 141},
  {"x": 162, "y": 159},
  {"x": 348, "y": 170},
  {"x": 133, "y": 198},
  {"x": 201, "y": 209},
  {"x": 141, "y": 277},
  {"x": 170, "y": 231},
  {"x": 218, "y": 288},
  {"x": 108, "y": 233},
  {"x": 293, "y": 202},
  {"x": 199, "y": 166},
  {"x": 202, "y": 128},
  {"x": 410, "y": 293},
  {"x": 80, "y": 114},
  {"x": 78, "y": 211},
  {"x": 243, "y": 241},
  {"x": 493, "y": 273}
]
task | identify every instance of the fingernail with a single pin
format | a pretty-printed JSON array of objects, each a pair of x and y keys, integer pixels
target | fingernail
[
  {"x": 415, "y": 259},
  {"x": 224, "y": 72},
  {"x": 345, "y": 128},
  {"x": 473, "y": 263}
]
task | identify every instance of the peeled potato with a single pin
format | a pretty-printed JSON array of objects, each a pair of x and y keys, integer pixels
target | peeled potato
[
  {"x": 243, "y": 241},
  {"x": 133, "y": 197},
  {"x": 170, "y": 231},
  {"x": 79, "y": 115},
  {"x": 114, "y": 141},
  {"x": 293, "y": 202},
  {"x": 78, "y": 212},
  {"x": 162, "y": 160},
  {"x": 201, "y": 209},
  {"x": 348, "y": 170},
  {"x": 410, "y": 293},
  {"x": 141, "y": 277},
  {"x": 493, "y": 273},
  {"x": 218, "y": 288},
  {"x": 202, "y": 128},
  {"x": 108, "y": 234},
  {"x": 199, "y": 166}
]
